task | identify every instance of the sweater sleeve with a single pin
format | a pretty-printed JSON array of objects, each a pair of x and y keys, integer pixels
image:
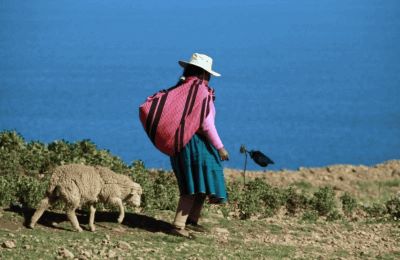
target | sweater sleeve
[{"x": 208, "y": 128}]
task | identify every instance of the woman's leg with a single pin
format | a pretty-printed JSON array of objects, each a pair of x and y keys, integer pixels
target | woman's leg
[
  {"x": 183, "y": 210},
  {"x": 194, "y": 214}
]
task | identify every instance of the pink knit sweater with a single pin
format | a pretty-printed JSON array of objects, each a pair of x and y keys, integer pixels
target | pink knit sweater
[{"x": 209, "y": 130}]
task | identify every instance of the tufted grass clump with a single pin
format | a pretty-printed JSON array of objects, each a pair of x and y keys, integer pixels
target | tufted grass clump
[
  {"x": 393, "y": 207},
  {"x": 323, "y": 201},
  {"x": 255, "y": 199},
  {"x": 349, "y": 204},
  {"x": 376, "y": 210},
  {"x": 296, "y": 202}
]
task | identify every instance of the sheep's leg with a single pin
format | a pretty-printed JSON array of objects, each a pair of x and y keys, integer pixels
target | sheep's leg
[
  {"x": 118, "y": 202},
  {"x": 43, "y": 206},
  {"x": 91, "y": 218},
  {"x": 72, "y": 216}
]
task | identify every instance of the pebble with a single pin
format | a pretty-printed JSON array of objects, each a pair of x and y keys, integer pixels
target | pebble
[
  {"x": 8, "y": 244},
  {"x": 221, "y": 230},
  {"x": 111, "y": 254},
  {"x": 65, "y": 253},
  {"x": 87, "y": 253},
  {"x": 124, "y": 245}
]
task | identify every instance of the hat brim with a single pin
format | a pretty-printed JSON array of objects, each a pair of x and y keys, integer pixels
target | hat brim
[{"x": 184, "y": 64}]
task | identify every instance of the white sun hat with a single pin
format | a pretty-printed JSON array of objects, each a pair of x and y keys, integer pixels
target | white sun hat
[{"x": 200, "y": 60}]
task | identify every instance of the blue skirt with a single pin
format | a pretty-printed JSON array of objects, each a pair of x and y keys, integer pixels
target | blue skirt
[{"x": 198, "y": 170}]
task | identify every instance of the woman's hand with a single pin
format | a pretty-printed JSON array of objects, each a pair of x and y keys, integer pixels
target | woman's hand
[{"x": 223, "y": 154}]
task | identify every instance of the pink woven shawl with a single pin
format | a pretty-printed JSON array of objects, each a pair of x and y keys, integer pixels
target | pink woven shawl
[{"x": 171, "y": 117}]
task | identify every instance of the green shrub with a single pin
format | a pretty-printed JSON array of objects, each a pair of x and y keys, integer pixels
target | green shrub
[
  {"x": 258, "y": 199},
  {"x": 35, "y": 158},
  {"x": 7, "y": 190},
  {"x": 30, "y": 191},
  {"x": 9, "y": 162},
  {"x": 376, "y": 210},
  {"x": 21, "y": 189},
  {"x": 295, "y": 202},
  {"x": 393, "y": 207},
  {"x": 160, "y": 189},
  {"x": 12, "y": 141},
  {"x": 349, "y": 204},
  {"x": 323, "y": 201},
  {"x": 12, "y": 145}
]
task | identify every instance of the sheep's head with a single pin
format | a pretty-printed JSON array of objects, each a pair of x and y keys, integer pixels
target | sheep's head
[{"x": 134, "y": 196}]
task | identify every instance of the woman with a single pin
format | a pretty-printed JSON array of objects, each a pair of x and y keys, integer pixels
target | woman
[{"x": 197, "y": 166}]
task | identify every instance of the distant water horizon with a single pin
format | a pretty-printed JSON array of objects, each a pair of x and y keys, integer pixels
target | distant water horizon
[{"x": 309, "y": 84}]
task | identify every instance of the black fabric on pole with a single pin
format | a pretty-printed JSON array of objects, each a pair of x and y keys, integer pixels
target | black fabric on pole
[{"x": 260, "y": 158}]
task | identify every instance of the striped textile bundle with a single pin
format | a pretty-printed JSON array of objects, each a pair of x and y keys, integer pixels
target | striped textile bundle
[{"x": 171, "y": 117}]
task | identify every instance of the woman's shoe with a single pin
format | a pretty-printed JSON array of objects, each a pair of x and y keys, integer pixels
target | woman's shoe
[
  {"x": 179, "y": 232},
  {"x": 196, "y": 227}
]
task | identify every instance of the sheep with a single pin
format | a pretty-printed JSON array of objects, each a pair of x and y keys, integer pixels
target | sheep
[{"x": 78, "y": 184}]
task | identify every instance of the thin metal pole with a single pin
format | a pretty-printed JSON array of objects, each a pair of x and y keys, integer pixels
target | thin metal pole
[{"x": 244, "y": 172}]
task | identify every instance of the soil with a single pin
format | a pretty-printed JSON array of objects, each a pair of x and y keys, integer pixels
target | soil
[{"x": 227, "y": 238}]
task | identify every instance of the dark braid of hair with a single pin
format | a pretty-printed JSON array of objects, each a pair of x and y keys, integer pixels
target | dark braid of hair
[{"x": 190, "y": 70}]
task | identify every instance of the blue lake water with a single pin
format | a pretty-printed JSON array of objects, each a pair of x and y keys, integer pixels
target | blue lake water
[{"x": 309, "y": 83}]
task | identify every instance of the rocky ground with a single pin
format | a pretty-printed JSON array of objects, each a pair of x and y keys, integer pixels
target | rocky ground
[
  {"x": 369, "y": 184},
  {"x": 280, "y": 237}
]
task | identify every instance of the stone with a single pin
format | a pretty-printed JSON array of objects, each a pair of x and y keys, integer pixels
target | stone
[
  {"x": 8, "y": 244},
  {"x": 221, "y": 230},
  {"x": 65, "y": 253},
  {"x": 87, "y": 253},
  {"x": 124, "y": 245},
  {"x": 111, "y": 254}
]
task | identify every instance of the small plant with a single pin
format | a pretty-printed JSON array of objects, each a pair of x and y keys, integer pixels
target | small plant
[
  {"x": 349, "y": 204},
  {"x": 30, "y": 191},
  {"x": 295, "y": 202},
  {"x": 12, "y": 141},
  {"x": 334, "y": 215},
  {"x": 160, "y": 190},
  {"x": 310, "y": 216},
  {"x": 259, "y": 198},
  {"x": 7, "y": 190},
  {"x": 376, "y": 210},
  {"x": 393, "y": 207},
  {"x": 324, "y": 201}
]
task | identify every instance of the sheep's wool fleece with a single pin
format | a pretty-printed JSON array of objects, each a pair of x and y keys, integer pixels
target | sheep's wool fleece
[
  {"x": 116, "y": 183},
  {"x": 85, "y": 178}
]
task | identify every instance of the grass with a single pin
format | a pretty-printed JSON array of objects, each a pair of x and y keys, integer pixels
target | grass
[
  {"x": 303, "y": 185},
  {"x": 378, "y": 191},
  {"x": 269, "y": 238}
]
